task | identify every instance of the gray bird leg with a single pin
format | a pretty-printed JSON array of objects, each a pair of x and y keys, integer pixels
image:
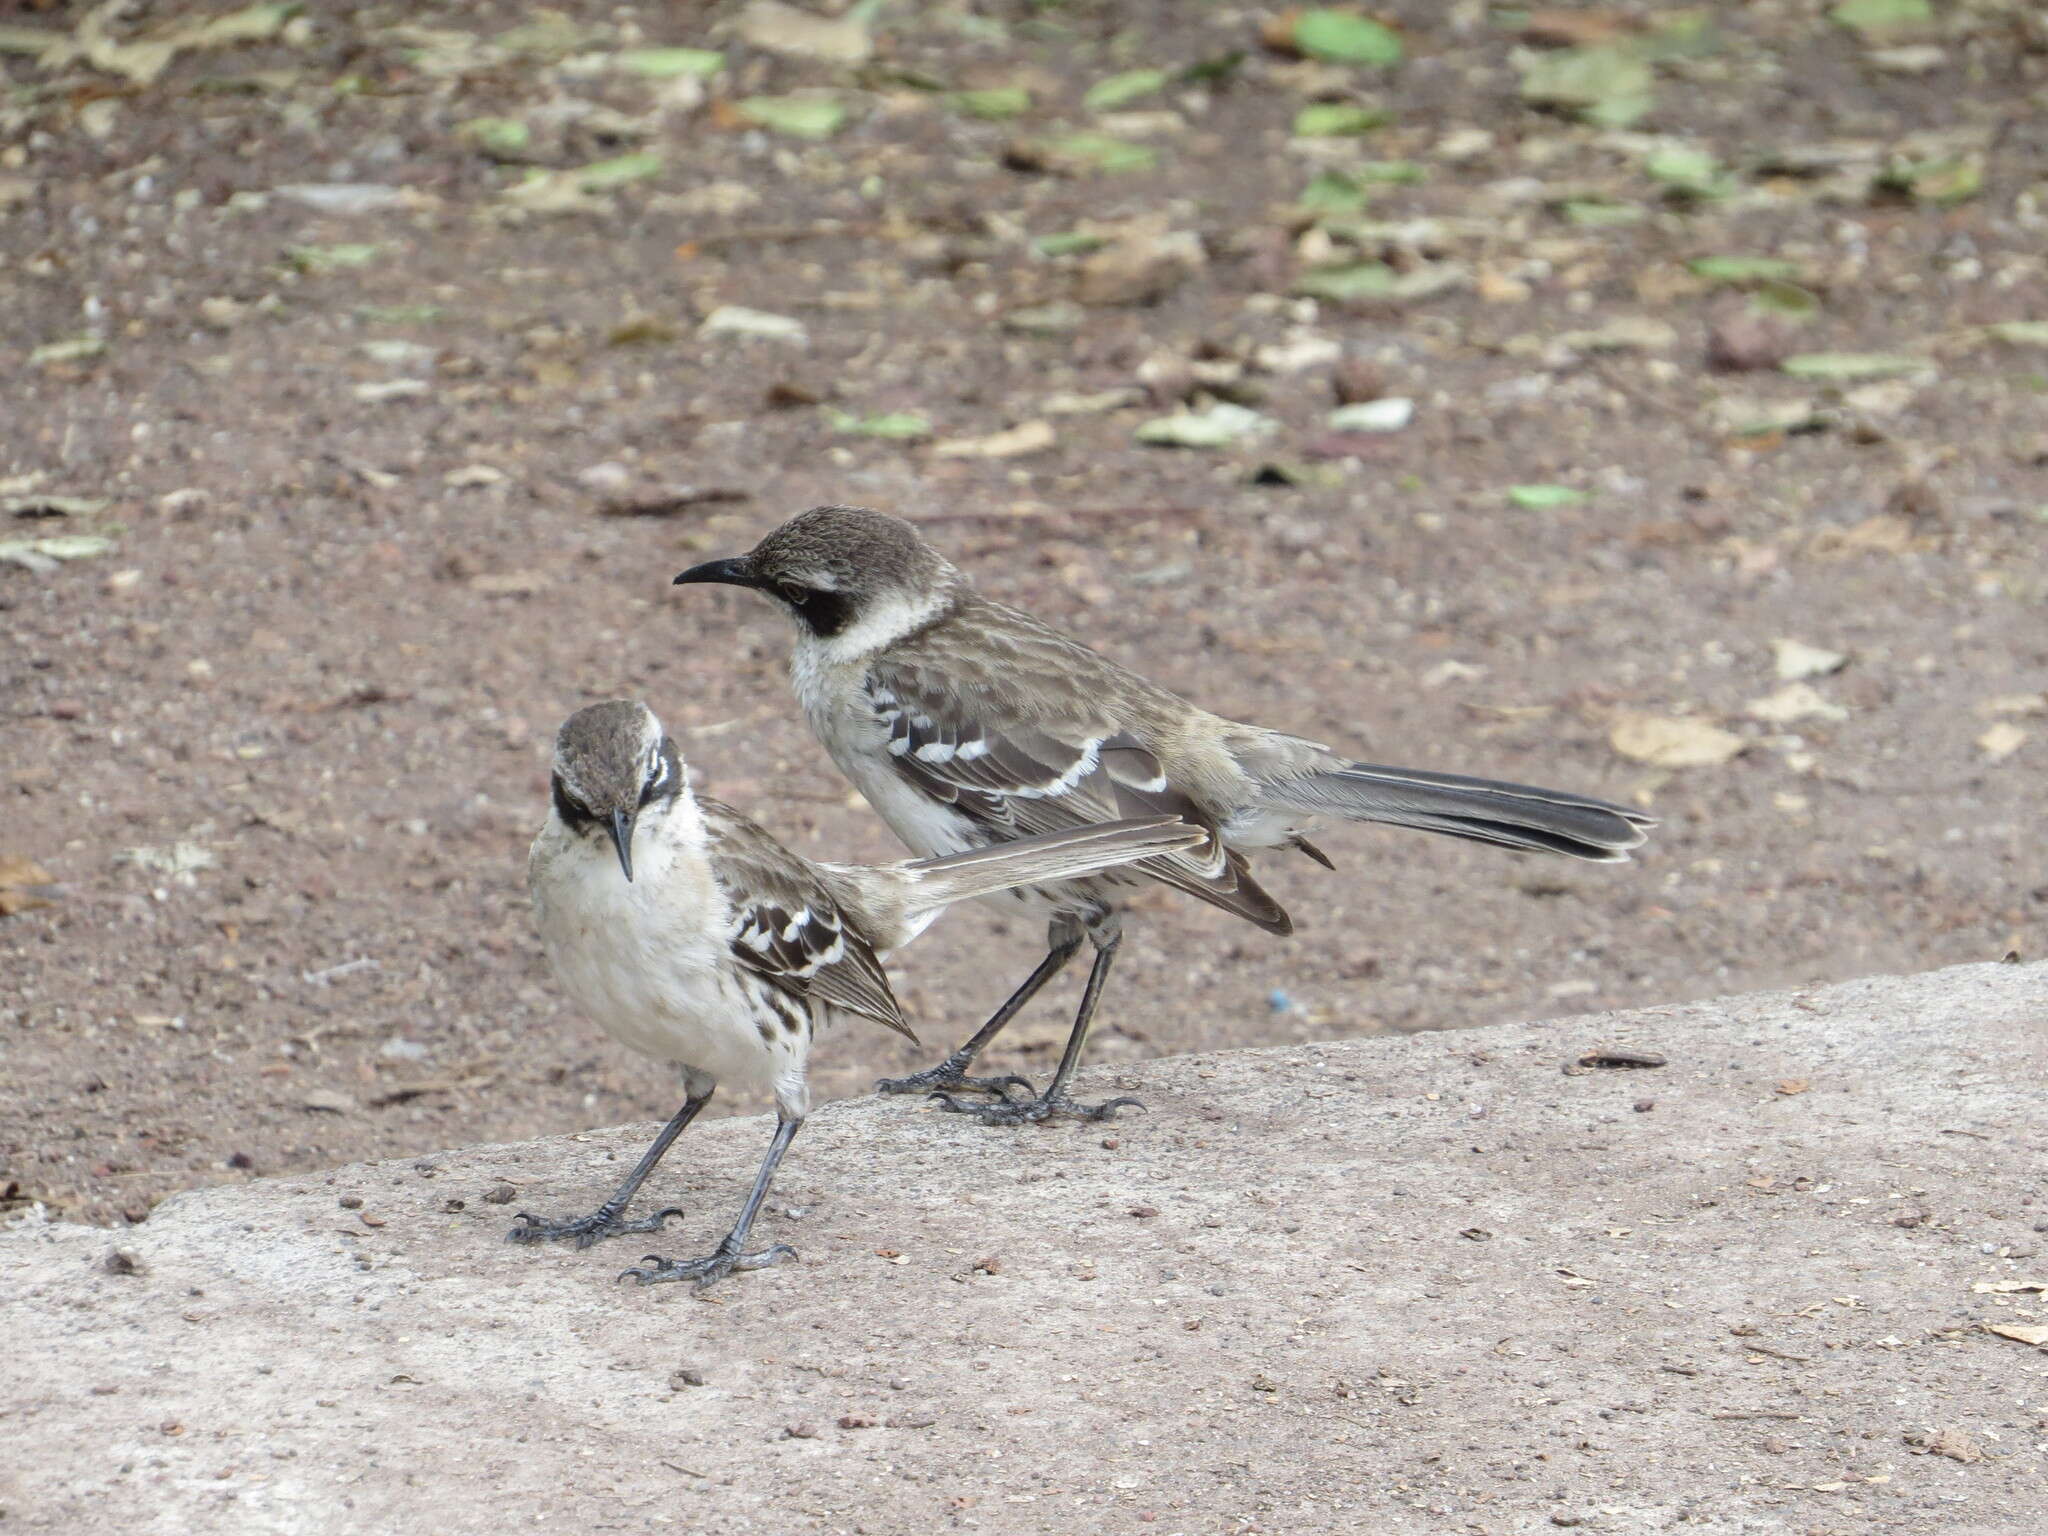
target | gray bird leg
[
  {"x": 727, "y": 1258},
  {"x": 1054, "y": 1100},
  {"x": 952, "y": 1072},
  {"x": 606, "y": 1220}
]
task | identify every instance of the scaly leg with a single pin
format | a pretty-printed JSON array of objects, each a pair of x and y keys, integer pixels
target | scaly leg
[
  {"x": 606, "y": 1220},
  {"x": 1054, "y": 1100},
  {"x": 951, "y": 1073},
  {"x": 727, "y": 1258}
]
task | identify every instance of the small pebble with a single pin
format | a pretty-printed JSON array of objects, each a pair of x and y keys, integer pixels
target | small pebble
[{"x": 351, "y": 1202}]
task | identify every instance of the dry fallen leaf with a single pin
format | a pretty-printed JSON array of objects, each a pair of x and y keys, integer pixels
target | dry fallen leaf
[
  {"x": 2015, "y": 704},
  {"x": 1796, "y": 661},
  {"x": 1791, "y": 1086},
  {"x": 1666, "y": 741},
  {"x": 1791, "y": 703},
  {"x": 2025, "y": 1333},
  {"x": 2001, "y": 741},
  {"x": 509, "y": 583},
  {"x": 1015, "y": 442},
  {"x": 1952, "y": 1443},
  {"x": 1887, "y": 533},
  {"x": 20, "y": 879}
]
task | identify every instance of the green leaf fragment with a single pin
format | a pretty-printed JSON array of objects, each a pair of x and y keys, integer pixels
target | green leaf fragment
[
  {"x": 900, "y": 426},
  {"x": 2019, "y": 333},
  {"x": 1538, "y": 498},
  {"x": 1744, "y": 269},
  {"x": 1333, "y": 192},
  {"x": 1337, "y": 119},
  {"x": 993, "y": 104},
  {"x": 1073, "y": 242},
  {"x": 1788, "y": 301},
  {"x": 1338, "y": 37},
  {"x": 801, "y": 117},
  {"x": 1610, "y": 87},
  {"x": 316, "y": 259},
  {"x": 1688, "y": 171},
  {"x": 399, "y": 314},
  {"x": 550, "y": 35},
  {"x": 1100, "y": 152},
  {"x": 601, "y": 175},
  {"x": 669, "y": 63},
  {"x": 1837, "y": 366},
  {"x": 1951, "y": 180},
  {"x": 496, "y": 135},
  {"x": 1596, "y": 213},
  {"x": 1121, "y": 90},
  {"x": 1877, "y": 17}
]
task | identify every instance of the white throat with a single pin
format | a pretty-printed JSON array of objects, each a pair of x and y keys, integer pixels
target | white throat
[{"x": 882, "y": 623}]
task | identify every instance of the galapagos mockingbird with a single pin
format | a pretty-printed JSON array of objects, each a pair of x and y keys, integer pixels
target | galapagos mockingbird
[
  {"x": 693, "y": 936},
  {"x": 967, "y": 723}
]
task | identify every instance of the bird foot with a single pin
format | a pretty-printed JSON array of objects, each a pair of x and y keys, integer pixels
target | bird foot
[
  {"x": 1034, "y": 1111},
  {"x": 706, "y": 1271},
  {"x": 952, "y": 1073},
  {"x": 601, "y": 1223}
]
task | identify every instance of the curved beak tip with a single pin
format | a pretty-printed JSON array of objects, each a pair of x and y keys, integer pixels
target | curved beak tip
[{"x": 732, "y": 573}]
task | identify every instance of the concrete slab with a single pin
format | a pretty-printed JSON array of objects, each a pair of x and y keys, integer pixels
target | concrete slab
[{"x": 1427, "y": 1284}]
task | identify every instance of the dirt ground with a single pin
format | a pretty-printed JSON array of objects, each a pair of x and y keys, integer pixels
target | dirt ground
[{"x": 395, "y": 478}]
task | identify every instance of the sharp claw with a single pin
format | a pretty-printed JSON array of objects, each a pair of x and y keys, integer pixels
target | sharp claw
[{"x": 1035, "y": 1111}]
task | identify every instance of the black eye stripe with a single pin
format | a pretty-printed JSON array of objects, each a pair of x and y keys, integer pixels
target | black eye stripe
[{"x": 573, "y": 812}]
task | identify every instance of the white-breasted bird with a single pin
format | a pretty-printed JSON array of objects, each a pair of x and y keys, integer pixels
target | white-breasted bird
[
  {"x": 691, "y": 935},
  {"x": 966, "y": 723}
]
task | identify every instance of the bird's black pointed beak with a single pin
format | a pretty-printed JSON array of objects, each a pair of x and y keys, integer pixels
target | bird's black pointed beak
[
  {"x": 738, "y": 572},
  {"x": 622, "y": 839}
]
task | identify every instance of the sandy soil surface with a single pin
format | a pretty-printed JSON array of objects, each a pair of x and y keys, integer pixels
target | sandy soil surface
[{"x": 373, "y": 373}]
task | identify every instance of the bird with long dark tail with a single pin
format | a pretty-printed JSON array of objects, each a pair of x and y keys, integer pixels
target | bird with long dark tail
[{"x": 967, "y": 724}]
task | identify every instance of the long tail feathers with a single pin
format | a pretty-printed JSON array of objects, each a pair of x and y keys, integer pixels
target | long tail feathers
[
  {"x": 1484, "y": 810},
  {"x": 1045, "y": 859}
]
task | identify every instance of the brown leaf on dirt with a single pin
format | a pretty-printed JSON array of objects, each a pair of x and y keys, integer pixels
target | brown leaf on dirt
[
  {"x": 1742, "y": 341},
  {"x": 1143, "y": 261},
  {"x": 2024, "y": 1333},
  {"x": 1952, "y": 1443},
  {"x": 22, "y": 884},
  {"x": 1792, "y": 1086},
  {"x": 1885, "y": 534},
  {"x": 1577, "y": 29}
]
